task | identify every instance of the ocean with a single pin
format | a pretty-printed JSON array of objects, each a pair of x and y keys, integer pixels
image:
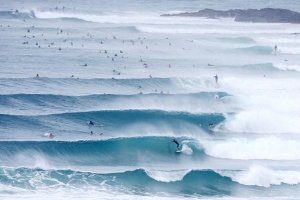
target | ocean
[{"x": 144, "y": 80}]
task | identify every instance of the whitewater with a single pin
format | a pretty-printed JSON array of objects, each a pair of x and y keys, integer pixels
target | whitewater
[{"x": 144, "y": 80}]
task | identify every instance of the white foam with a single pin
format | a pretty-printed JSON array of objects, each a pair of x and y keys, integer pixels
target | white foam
[
  {"x": 200, "y": 30},
  {"x": 262, "y": 121},
  {"x": 167, "y": 176},
  {"x": 186, "y": 149},
  {"x": 292, "y": 67},
  {"x": 270, "y": 148},
  {"x": 246, "y": 84},
  {"x": 263, "y": 176},
  {"x": 35, "y": 160},
  {"x": 289, "y": 49},
  {"x": 122, "y": 18}
]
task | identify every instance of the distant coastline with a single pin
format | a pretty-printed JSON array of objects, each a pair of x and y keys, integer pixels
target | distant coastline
[{"x": 265, "y": 15}]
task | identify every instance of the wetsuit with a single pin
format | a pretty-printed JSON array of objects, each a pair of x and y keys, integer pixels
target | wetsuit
[{"x": 176, "y": 143}]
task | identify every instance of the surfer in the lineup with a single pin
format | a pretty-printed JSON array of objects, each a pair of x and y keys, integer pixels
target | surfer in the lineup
[
  {"x": 49, "y": 135},
  {"x": 178, "y": 149}
]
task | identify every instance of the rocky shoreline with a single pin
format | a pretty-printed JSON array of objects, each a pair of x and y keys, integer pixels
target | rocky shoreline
[{"x": 265, "y": 15}]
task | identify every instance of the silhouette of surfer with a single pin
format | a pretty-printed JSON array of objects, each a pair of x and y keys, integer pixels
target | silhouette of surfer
[
  {"x": 216, "y": 78},
  {"x": 178, "y": 149}
]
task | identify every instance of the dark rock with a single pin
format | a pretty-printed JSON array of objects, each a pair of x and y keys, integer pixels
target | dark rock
[{"x": 268, "y": 15}]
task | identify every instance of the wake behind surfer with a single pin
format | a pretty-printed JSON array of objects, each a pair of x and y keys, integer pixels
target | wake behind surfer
[{"x": 178, "y": 149}]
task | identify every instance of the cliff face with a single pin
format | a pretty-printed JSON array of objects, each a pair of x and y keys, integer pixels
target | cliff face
[{"x": 269, "y": 15}]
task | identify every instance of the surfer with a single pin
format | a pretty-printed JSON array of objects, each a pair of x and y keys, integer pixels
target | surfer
[
  {"x": 275, "y": 48},
  {"x": 92, "y": 133},
  {"x": 178, "y": 149},
  {"x": 49, "y": 135},
  {"x": 216, "y": 78},
  {"x": 37, "y": 76},
  {"x": 91, "y": 123},
  {"x": 210, "y": 126}
]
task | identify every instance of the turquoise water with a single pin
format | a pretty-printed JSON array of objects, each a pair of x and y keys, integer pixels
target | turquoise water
[{"x": 144, "y": 80}]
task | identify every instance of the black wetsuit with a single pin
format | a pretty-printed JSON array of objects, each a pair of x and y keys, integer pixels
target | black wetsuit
[{"x": 176, "y": 143}]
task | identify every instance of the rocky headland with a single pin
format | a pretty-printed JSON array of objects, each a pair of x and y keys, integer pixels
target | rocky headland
[{"x": 265, "y": 15}]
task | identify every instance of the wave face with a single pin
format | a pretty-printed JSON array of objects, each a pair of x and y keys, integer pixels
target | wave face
[{"x": 145, "y": 80}]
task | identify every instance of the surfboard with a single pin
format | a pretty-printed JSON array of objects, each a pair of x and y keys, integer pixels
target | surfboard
[{"x": 178, "y": 151}]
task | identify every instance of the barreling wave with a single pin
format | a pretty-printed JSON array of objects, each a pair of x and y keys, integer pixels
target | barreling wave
[
  {"x": 114, "y": 121},
  {"x": 143, "y": 151},
  {"x": 133, "y": 151}
]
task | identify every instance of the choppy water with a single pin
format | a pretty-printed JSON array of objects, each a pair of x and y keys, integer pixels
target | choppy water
[{"x": 154, "y": 83}]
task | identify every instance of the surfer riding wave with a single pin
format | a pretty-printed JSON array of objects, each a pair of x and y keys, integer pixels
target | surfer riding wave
[{"x": 178, "y": 149}]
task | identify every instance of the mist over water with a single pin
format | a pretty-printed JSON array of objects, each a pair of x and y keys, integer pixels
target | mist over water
[{"x": 144, "y": 79}]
